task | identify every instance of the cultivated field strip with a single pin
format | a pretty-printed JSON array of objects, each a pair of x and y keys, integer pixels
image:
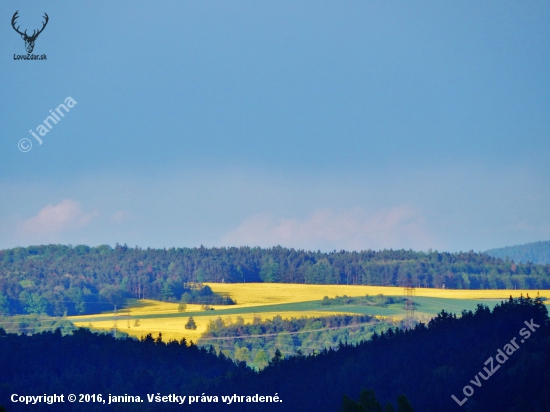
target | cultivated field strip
[{"x": 287, "y": 300}]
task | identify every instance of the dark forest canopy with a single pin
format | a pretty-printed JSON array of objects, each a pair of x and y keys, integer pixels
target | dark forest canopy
[
  {"x": 428, "y": 364},
  {"x": 536, "y": 252},
  {"x": 57, "y": 279},
  {"x": 91, "y": 363}
]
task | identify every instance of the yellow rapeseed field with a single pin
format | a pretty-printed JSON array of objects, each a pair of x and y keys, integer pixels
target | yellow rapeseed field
[
  {"x": 250, "y": 295},
  {"x": 174, "y": 327},
  {"x": 253, "y": 294},
  {"x": 171, "y": 328}
]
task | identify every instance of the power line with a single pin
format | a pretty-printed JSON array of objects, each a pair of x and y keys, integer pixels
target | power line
[{"x": 288, "y": 333}]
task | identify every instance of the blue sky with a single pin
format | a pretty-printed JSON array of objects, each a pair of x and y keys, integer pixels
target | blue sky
[{"x": 314, "y": 125}]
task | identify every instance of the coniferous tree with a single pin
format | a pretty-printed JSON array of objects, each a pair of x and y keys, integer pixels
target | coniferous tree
[
  {"x": 367, "y": 403},
  {"x": 191, "y": 324},
  {"x": 367, "y": 398},
  {"x": 403, "y": 404},
  {"x": 277, "y": 358},
  {"x": 349, "y": 405}
]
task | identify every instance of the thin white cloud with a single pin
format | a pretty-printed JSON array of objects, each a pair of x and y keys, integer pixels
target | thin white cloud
[
  {"x": 54, "y": 219},
  {"x": 120, "y": 216},
  {"x": 401, "y": 227}
]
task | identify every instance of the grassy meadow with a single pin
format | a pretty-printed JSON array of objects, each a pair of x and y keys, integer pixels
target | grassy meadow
[{"x": 287, "y": 300}]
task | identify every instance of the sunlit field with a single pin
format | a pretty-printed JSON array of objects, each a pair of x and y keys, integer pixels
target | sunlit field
[
  {"x": 267, "y": 300},
  {"x": 174, "y": 327},
  {"x": 271, "y": 293}
]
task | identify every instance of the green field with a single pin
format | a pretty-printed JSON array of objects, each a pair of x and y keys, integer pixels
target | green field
[
  {"x": 426, "y": 306},
  {"x": 288, "y": 301}
]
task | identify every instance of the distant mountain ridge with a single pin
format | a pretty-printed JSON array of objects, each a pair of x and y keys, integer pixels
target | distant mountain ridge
[{"x": 536, "y": 252}]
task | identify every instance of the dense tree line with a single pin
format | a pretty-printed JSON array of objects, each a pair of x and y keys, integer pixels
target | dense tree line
[
  {"x": 367, "y": 402},
  {"x": 202, "y": 294},
  {"x": 378, "y": 300},
  {"x": 30, "y": 324},
  {"x": 57, "y": 279},
  {"x": 536, "y": 252},
  {"x": 256, "y": 342},
  {"x": 428, "y": 364}
]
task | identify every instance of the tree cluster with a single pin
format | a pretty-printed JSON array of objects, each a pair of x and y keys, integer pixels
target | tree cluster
[
  {"x": 257, "y": 341},
  {"x": 31, "y": 324},
  {"x": 202, "y": 294},
  {"x": 378, "y": 300},
  {"x": 367, "y": 402}
]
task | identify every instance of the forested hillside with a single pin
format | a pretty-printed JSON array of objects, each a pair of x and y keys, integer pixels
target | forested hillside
[
  {"x": 504, "y": 352},
  {"x": 537, "y": 252},
  {"x": 88, "y": 363},
  {"x": 429, "y": 364},
  {"x": 59, "y": 280}
]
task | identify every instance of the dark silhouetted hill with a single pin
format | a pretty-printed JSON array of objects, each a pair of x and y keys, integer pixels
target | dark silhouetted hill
[{"x": 502, "y": 357}]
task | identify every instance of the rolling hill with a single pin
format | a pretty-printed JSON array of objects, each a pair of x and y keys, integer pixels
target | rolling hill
[{"x": 536, "y": 252}]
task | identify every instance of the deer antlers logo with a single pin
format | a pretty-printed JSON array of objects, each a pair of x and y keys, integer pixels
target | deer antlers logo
[{"x": 29, "y": 40}]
